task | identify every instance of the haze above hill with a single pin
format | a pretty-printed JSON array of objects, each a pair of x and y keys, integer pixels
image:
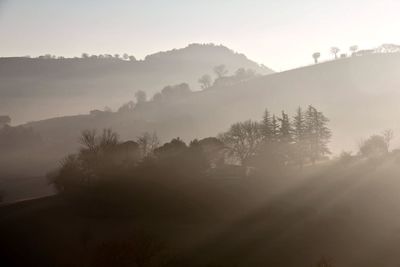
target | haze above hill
[{"x": 38, "y": 88}]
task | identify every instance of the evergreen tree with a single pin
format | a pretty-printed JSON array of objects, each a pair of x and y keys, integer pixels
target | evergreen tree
[
  {"x": 267, "y": 126},
  {"x": 299, "y": 126},
  {"x": 285, "y": 129},
  {"x": 274, "y": 128},
  {"x": 317, "y": 133},
  {"x": 299, "y": 137}
]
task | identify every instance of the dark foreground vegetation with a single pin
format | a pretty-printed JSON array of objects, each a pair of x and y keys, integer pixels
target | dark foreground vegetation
[{"x": 260, "y": 194}]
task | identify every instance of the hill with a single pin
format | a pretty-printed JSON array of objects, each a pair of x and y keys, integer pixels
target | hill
[
  {"x": 358, "y": 94},
  {"x": 37, "y": 88}
]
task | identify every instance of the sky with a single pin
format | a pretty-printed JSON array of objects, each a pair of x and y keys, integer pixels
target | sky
[{"x": 281, "y": 34}]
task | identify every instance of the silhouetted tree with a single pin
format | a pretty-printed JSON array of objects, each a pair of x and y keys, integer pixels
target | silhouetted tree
[
  {"x": 100, "y": 158},
  {"x": 242, "y": 139},
  {"x": 275, "y": 128},
  {"x": 267, "y": 126},
  {"x": 132, "y": 58},
  {"x": 205, "y": 81},
  {"x": 148, "y": 142},
  {"x": 176, "y": 146},
  {"x": 299, "y": 137},
  {"x": 85, "y": 55},
  {"x": 220, "y": 71},
  {"x": 318, "y": 134},
  {"x": 285, "y": 129},
  {"x": 316, "y": 56},
  {"x": 299, "y": 127},
  {"x": 335, "y": 51},
  {"x": 140, "y": 96}
]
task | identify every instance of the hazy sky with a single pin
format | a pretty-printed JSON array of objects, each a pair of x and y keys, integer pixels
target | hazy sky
[{"x": 281, "y": 34}]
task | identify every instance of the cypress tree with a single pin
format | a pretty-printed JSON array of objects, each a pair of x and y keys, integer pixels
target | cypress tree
[
  {"x": 299, "y": 137},
  {"x": 317, "y": 134},
  {"x": 285, "y": 129},
  {"x": 267, "y": 130},
  {"x": 275, "y": 128}
]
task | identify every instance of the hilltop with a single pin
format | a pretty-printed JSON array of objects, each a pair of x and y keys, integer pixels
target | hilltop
[{"x": 49, "y": 87}]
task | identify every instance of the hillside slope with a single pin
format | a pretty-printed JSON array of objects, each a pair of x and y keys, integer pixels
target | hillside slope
[
  {"x": 358, "y": 94},
  {"x": 37, "y": 88},
  {"x": 348, "y": 213}
]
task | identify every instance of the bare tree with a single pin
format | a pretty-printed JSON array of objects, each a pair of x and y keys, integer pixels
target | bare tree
[
  {"x": 88, "y": 140},
  {"x": 335, "y": 51},
  {"x": 91, "y": 142},
  {"x": 242, "y": 139},
  {"x": 148, "y": 142},
  {"x": 220, "y": 71},
  {"x": 316, "y": 56},
  {"x": 205, "y": 81}
]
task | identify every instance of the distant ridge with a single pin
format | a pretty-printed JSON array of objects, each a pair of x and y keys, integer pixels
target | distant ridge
[{"x": 50, "y": 86}]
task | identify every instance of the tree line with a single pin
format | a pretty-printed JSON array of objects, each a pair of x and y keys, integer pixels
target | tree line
[
  {"x": 355, "y": 51},
  {"x": 299, "y": 139},
  {"x": 276, "y": 141}
]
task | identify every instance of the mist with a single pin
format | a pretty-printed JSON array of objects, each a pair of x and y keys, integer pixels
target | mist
[{"x": 199, "y": 134}]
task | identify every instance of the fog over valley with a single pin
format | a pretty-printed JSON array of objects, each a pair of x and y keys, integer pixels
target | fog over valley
[{"x": 199, "y": 133}]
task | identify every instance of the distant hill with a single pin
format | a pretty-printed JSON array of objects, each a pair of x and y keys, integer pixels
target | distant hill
[
  {"x": 37, "y": 88},
  {"x": 359, "y": 95}
]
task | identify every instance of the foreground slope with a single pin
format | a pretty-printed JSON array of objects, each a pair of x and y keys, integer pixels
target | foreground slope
[{"x": 347, "y": 212}]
